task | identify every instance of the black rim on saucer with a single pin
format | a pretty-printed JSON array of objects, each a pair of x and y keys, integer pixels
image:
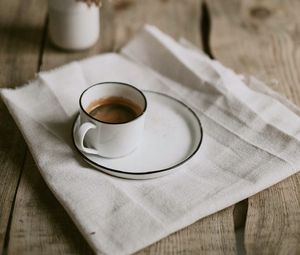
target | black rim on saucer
[{"x": 148, "y": 172}]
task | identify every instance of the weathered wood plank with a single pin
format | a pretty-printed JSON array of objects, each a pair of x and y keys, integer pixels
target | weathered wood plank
[
  {"x": 20, "y": 34},
  {"x": 214, "y": 234},
  {"x": 262, "y": 38},
  {"x": 177, "y": 18}
]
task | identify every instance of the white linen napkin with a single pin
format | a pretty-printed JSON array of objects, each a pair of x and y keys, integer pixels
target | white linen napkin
[{"x": 251, "y": 141}]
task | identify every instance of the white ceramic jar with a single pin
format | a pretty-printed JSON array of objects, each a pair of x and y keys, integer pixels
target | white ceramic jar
[{"x": 73, "y": 25}]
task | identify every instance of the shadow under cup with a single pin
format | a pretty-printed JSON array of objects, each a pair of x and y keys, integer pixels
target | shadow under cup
[{"x": 112, "y": 140}]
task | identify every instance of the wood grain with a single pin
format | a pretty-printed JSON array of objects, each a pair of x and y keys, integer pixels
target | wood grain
[
  {"x": 262, "y": 38},
  {"x": 21, "y": 28},
  {"x": 176, "y": 17},
  {"x": 39, "y": 225}
]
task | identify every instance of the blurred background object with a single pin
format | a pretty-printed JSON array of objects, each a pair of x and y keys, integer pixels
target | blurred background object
[{"x": 74, "y": 25}]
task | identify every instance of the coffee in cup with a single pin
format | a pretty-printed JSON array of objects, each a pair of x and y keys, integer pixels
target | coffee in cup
[{"x": 114, "y": 109}]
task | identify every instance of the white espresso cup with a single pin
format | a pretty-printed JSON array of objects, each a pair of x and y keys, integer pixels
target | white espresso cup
[{"x": 115, "y": 137}]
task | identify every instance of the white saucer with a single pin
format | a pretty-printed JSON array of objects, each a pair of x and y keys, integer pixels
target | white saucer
[{"x": 172, "y": 135}]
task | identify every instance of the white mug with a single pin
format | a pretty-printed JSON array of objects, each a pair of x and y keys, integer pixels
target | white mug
[
  {"x": 73, "y": 25},
  {"x": 111, "y": 140}
]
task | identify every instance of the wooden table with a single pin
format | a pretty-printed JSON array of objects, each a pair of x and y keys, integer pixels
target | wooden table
[{"x": 255, "y": 37}]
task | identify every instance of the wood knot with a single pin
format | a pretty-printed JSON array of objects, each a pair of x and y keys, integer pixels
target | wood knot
[
  {"x": 260, "y": 12},
  {"x": 122, "y": 4}
]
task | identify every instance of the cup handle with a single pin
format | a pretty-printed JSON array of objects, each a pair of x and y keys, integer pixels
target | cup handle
[{"x": 79, "y": 137}]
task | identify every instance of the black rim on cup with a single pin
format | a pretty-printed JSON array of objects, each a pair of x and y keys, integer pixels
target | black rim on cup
[{"x": 113, "y": 82}]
